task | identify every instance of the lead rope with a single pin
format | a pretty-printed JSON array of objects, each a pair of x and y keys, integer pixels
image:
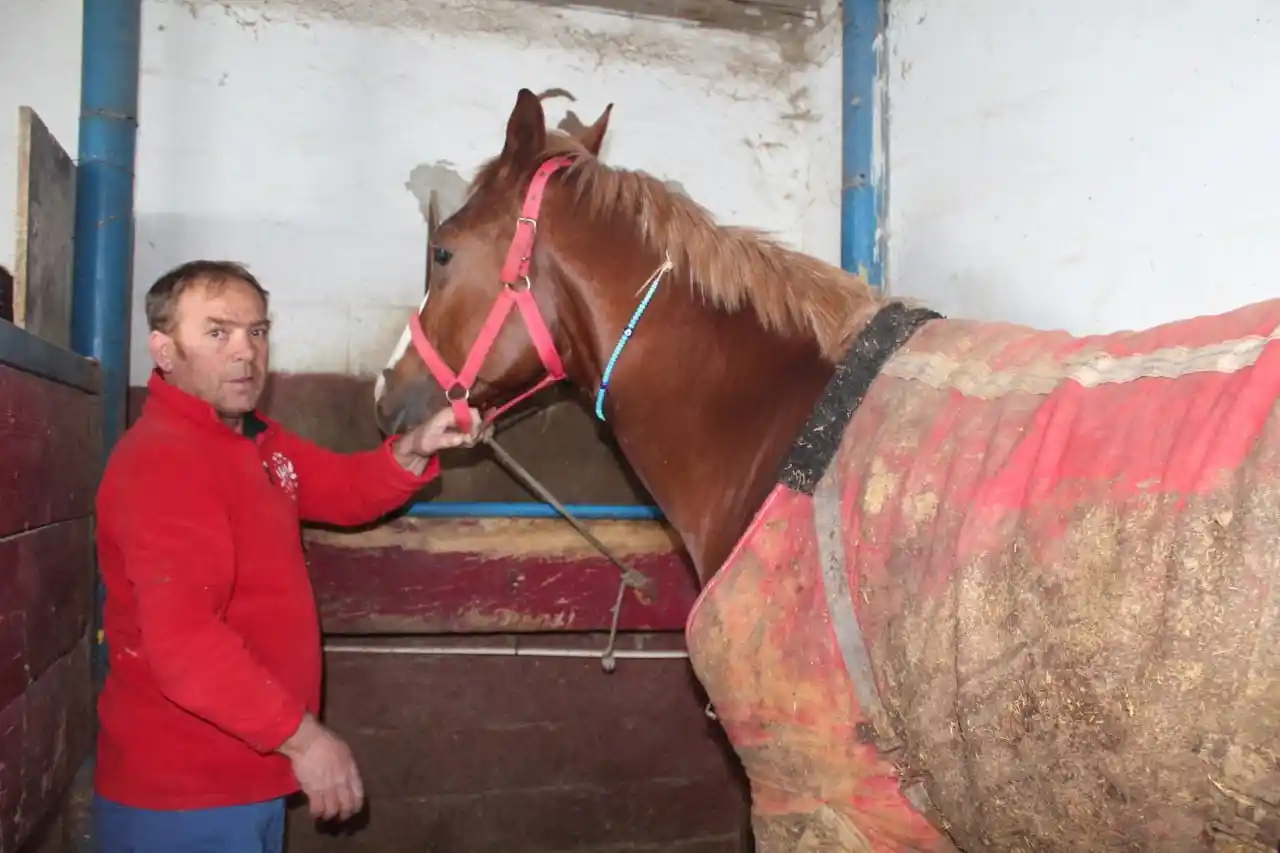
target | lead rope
[{"x": 630, "y": 577}]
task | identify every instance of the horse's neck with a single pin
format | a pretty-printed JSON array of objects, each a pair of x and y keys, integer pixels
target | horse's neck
[{"x": 705, "y": 406}]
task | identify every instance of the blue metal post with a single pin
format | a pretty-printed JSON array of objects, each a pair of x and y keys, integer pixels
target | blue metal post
[
  {"x": 503, "y": 509},
  {"x": 863, "y": 187},
  {"x": 112, "y": 35}
]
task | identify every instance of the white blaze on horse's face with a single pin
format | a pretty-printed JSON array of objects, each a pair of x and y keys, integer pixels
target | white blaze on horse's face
[{"x": 402, "y": 347}]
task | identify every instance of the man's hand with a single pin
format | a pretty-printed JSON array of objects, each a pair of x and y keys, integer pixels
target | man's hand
[
  {"x": 415, "y": 448},
  {"x": 326, "y": 770}
]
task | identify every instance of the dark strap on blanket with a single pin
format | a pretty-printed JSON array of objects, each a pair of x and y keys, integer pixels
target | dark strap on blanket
[{"x": 815, "y": 447}]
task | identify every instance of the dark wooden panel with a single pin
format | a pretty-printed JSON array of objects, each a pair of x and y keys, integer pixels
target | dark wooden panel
[
  {"x": 654, "y": 815},
  {"x": 46, "y": 223},
  {"x": 50, "y": 440},
  {"x": 46, "y": 600},
  {"x": 473, "y": 755},
  {"x": 45, "y": 735},
  {"x": 488, "y": 759},
  {"x": 417, "y": 693},
  {"x": 612, "y": 728},
  {"x": 426, "y": 575}
]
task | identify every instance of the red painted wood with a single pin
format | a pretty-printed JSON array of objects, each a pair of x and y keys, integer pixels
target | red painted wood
[
  {"x": 49, "y": 446},
  {"x": 45, "y": 601},
  {"x": 45, "y": 735},
  {"x": 495, "y": 575}
]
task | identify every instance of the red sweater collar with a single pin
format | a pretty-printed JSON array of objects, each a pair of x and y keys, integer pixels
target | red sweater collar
[{"x": 168, "y": 399}]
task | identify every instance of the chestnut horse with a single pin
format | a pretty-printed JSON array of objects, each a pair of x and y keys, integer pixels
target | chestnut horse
[
  {"x": 668, "y": 406},
  {"x": 964, "y": 583}
]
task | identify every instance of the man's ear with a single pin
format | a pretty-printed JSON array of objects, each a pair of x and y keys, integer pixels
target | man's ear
[{"x": 162, "y": 350}]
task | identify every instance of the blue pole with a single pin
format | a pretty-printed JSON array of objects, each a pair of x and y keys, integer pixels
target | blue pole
[
  {"x": 522, "y": 509},
  {"x": 112, "y": 35},
  {"x": 862, "y": 189}
]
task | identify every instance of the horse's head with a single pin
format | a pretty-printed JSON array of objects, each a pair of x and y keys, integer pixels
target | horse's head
[{"x": 489, "y": 327}]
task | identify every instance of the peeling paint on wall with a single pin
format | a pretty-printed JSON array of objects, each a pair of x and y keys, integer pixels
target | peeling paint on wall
[
  {"x": 444, "y": 178},
  {"x": 600, "y": 37},
  {"x": 307, "y": 146}
]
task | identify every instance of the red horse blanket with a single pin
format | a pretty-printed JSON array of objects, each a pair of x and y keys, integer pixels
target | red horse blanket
[{"x": 1027, "y": 602}]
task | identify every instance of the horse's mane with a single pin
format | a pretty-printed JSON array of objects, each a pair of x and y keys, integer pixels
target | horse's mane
[{"x": 791, "y": 292}]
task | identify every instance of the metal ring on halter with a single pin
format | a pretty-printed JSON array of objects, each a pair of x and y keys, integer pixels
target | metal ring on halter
[
  {"x": 528, "y": 285},
  {"x": 448, "y": 394}
]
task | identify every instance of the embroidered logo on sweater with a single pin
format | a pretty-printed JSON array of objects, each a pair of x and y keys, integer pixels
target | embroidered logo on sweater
[{"x": 285, "y": 477}]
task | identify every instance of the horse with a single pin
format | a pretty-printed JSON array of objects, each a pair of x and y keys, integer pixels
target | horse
[{"x": 966, "y": 585}]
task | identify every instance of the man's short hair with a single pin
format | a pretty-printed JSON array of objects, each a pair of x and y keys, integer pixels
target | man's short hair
[{"x": 162, "y": 298}]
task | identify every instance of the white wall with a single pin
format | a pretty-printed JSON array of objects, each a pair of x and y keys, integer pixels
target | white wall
[
  {"x": 289, "y": 140},
  {"x": 1087, "y": 165},
  {"x": 1078, "y": 165}
]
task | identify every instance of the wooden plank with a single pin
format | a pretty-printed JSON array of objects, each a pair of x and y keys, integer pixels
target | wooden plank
[
  {"x": 45, "y": 735},
  {"x": 610, "y": 735},
  {"x": 50, "y": 438},
  {"x": 24, "y": 351},
  {"x": 676, "y": 816},
  {"x": 545, "y": 690},
  {"x": 425, "y": 575},
  {"x": 46, "y": 600},
  {"x": 46, "y": 223}
]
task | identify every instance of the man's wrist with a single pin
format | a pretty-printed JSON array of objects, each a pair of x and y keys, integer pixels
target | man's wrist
[
  {"x": 410, "y": 460},
  {"x": 300, "y": 740}
]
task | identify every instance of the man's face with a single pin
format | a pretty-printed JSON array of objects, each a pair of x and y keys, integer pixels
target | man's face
[{"x": 219, "y": 349}]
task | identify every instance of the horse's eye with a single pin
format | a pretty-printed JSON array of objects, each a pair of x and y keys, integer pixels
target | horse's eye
[{"x": 441, "y": 256}]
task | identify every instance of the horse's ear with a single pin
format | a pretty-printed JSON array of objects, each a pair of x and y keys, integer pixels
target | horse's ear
[
  {"x": 526, "y": 129},
  {"x": 593, "y": 137}
]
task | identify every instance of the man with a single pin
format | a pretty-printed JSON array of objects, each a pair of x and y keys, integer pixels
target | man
[{"x": 208, "y": 715}]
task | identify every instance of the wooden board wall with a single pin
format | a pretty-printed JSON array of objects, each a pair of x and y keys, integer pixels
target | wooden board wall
[
  {"x": 50, "y": 442},
  {"x": 46, "y": 222},
  {"x": 536, "y": 755}
]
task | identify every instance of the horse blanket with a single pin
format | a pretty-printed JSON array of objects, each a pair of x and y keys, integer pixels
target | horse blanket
[{"x": 1017, "y": 592}]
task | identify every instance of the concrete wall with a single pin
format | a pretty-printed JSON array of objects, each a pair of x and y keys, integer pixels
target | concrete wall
[
  {"x": 1084, "y": 165},
  {"x": 300, "y": 136}
]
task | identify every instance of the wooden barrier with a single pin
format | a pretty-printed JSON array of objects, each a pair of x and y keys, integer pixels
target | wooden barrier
[
  {"x": 495, "y": 575},
  {"x": 50, "y": 446}
]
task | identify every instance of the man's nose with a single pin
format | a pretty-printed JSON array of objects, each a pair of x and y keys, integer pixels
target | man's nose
[{"x": 242, "y": 348}]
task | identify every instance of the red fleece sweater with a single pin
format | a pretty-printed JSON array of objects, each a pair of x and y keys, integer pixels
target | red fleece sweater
[{"x": 210, "y": 619}]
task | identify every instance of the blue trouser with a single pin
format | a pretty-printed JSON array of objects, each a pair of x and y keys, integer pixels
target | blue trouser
[{"x": 255, "y": 828}]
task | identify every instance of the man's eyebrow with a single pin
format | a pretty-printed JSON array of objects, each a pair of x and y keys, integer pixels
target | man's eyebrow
[{"x": 223, "y": 321}]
